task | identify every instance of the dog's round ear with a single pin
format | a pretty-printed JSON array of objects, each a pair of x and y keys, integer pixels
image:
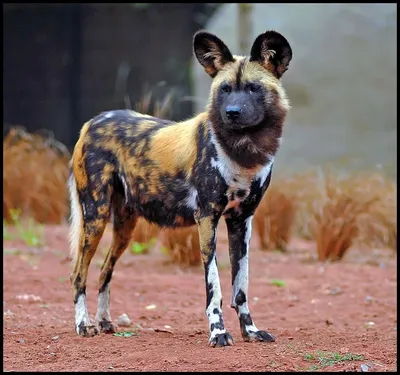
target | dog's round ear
[
  {"x": 211, "y": 52},
  {"x": 272, "y": 51}
]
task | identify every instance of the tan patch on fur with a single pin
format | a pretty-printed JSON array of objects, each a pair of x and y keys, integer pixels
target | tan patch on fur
[
  {"x": 78, "y": 161},
  {"x": 254, "y": 71},
  {"x": 107, "y": 171},
  {"x": 206, "y": 235},
  {"x": 174, "y": 148}
]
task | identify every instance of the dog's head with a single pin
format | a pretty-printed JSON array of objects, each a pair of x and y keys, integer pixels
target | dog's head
[{"x": 246, "y": 92}]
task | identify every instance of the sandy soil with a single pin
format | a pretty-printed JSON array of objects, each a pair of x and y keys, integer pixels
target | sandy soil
[{"x": 348, "y": 308}]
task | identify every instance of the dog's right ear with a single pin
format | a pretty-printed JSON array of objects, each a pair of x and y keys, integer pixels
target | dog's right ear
[{"x": 211, "y": 52}]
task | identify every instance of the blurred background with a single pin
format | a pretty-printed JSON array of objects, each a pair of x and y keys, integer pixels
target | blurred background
[{"x": 65, "y": 63}]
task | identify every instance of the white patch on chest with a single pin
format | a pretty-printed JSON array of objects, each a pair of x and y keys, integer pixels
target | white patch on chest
[{"x": 237, "y": 178}]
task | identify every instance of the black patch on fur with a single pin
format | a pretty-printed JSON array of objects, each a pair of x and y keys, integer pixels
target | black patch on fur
[
  {"x": 209, "y": 292},
  {"x": 79, "y": 290},
  {"x": 220, "y": 323},
  {"x": 106, "y": 280},
  {"x": 239, "y": 74},
  {"x": 240, "y": 298},
  {"x": 240, "y": 193},
  {"x": 237, "y": 244},
  {"x": 246, "y": 319}
]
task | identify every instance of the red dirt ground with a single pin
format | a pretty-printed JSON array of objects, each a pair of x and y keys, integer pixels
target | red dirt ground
[{"x": 345, "y": 308}]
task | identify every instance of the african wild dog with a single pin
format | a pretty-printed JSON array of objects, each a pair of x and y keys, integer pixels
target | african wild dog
[{"x": 127, "y": 165}]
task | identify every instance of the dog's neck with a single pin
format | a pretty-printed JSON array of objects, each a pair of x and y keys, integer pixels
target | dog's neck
[{"x": 250, "y": 147}]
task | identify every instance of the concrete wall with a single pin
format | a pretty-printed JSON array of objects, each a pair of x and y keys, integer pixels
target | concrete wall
[
  {"x": 341, "y": 82},
  {"x": 63, "y": 62}
]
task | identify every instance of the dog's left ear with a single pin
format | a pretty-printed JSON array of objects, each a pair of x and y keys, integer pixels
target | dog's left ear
[{"x": 272, "y": 51}]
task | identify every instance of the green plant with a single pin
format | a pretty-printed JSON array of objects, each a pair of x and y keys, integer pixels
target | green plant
[
  {"x": 142, "y": 247},
  {"x": 32, "y": 233},
  {"x": 6, "y": 234},
  {"x": 11, "y": 252},
  {"x": 325, "y": 359},
  {"x": 278, "y": 282},
  {"x": 125, "y": 334}
]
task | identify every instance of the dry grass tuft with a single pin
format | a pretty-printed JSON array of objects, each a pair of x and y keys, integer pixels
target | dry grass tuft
[
  {"x": 145, "y": 231},
  {"x": 182, "y": 245},
  {"x": 160, "y": 108},
  {"x": 378, "y": 225},
  {"x": 35, "y": 176},
  {"x": 347, "y": 214},
  {"x": 335, "y": 211},
  {"x": 274, "y": 218}
]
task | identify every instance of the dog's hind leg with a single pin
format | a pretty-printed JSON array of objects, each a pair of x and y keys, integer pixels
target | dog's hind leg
[
  {"x": 239, "y": 233},
  {"x": 89, "y": 219},
  {"x": 124, "y": 222}
]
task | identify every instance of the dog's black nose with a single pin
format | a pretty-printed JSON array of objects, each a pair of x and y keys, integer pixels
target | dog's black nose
[{"x": 233, "y": 112}]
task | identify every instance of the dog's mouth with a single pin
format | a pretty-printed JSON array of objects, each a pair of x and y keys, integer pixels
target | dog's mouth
[
  {"x": 242, "y": 128},
  {"x": 242, "y": 123}
]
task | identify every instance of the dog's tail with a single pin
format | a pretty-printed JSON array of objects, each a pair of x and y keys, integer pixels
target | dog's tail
[{"x": 77, "y": 182}]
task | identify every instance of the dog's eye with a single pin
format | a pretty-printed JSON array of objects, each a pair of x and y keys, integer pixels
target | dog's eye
[
  {"x": 226, "y": 88},
  {"x": 254, "y": 87}
]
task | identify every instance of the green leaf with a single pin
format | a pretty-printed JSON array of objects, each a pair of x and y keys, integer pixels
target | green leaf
[
  {"x": 138, "y": 248},
  {"x": 124, "y": 334},
  {"x": 278, "y": 282},
  {"x": 15, "y": 213}
]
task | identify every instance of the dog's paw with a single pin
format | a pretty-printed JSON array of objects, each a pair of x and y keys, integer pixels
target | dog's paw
[
  {"x": 86, "y": 329},
  {"x": 258, "y": 336},
  {"x": 221, "y": 339},
  {"x": 105, "y": 326}
]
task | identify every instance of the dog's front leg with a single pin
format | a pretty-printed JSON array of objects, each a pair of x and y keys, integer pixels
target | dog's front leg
[
  {"x": 239, "y": 233},
  {"x": 207, "y": 232}
]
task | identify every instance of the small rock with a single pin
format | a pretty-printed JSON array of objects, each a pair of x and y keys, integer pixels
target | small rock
[
  {"x": 334, "y": 291},
  {"x": 364, "y": 368},
  {"x": 150, "y": 307},
  {"x": 163, "y": 330},
  {"x": 52, "y": 353},
  {"x": 344, "y": 350},
  {"x": 111, "y": 367},
  {"x": 21, "y": 341},
  {"x": 124, "y": 320},
  {"x": 329, "y": 322},
  {"x": 28, "y": 297},
  {"x": 9, "y": 314},
  {"x": 55, "y": 338},
  {"x": 369, "y": 324},
  {"x": 368, "y": 299}
]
